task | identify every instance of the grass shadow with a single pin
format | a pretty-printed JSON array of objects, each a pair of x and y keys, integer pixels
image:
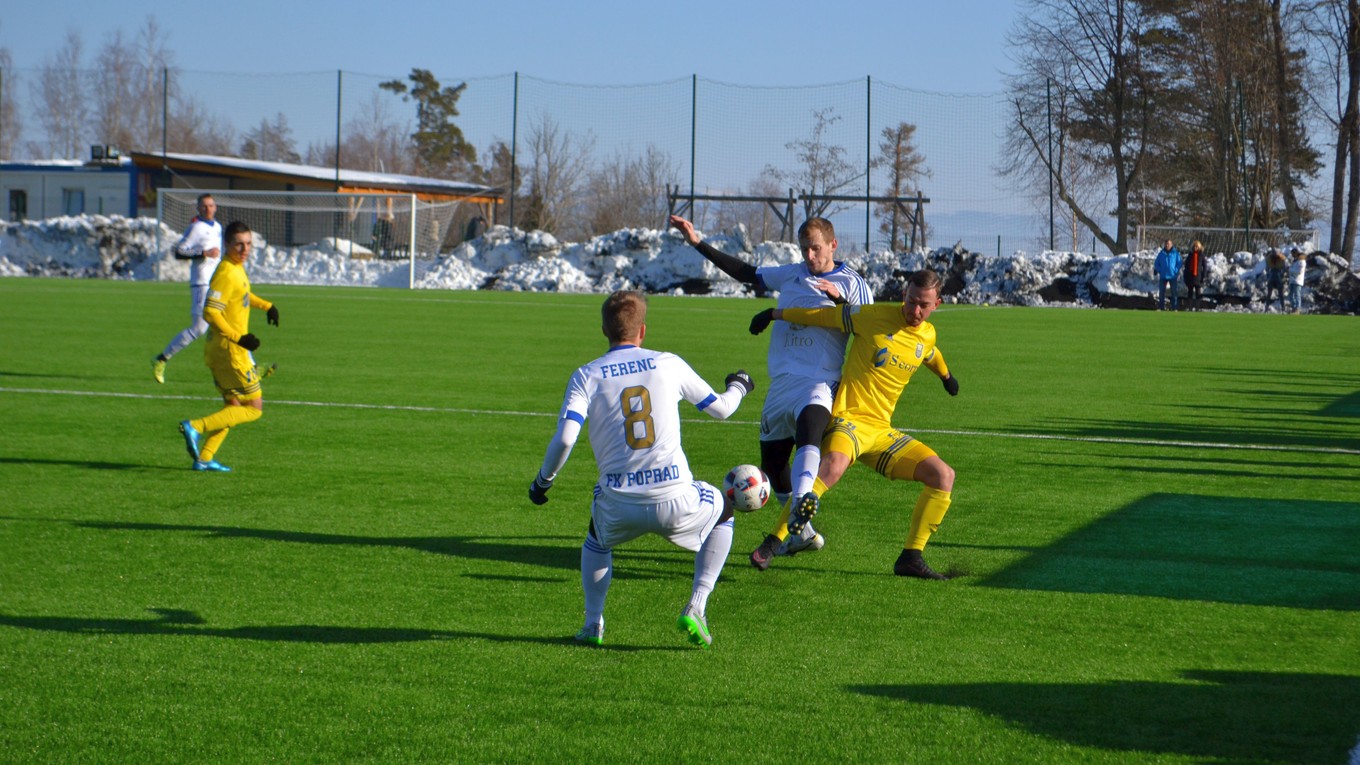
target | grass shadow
[
  {"x": 180, "y": 622},
  {"x": 88, "y": 464},
  {"x": 1298, "y": 554},
  {"x": 503, "y": 549},
  {"x": 1216, "y": 715}
]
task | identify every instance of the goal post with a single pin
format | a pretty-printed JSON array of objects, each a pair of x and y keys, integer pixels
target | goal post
[
  {"x": 1227, "y": 240},
  {"x": 360, "y": 226}
]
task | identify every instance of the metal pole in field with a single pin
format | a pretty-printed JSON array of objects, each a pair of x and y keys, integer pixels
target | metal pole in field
[
  {"x": 693, "y": 129},
  {"x": 514, "y": 145},
  {"x": 165, "y": 115},
  {"x": 1048, "y": 94},
  {"x": 868, "y": 160},
  {"x": 339, "y": 91},
  {"x": 411, "y": 271}
]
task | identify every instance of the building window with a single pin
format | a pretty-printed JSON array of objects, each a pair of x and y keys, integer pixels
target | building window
[
  {"x": 72, "y": 201},
  {"x": 18, "y": 205}
]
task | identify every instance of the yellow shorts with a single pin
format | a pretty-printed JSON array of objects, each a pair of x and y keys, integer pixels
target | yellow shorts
[
  {"x": 889, "y": 451},
  {"x": 234, "y": 374}
]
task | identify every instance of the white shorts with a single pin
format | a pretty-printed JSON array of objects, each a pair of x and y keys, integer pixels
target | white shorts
[
  {"x": 685, "y": 520},
  {"x": 788, "y": 395}
]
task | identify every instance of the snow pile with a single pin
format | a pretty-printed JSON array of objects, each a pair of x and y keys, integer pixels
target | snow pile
[{"x": 653, "y": 261}]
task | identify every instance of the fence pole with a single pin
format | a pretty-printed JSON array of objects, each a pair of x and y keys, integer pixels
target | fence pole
[
  {"x": 868, "y": 160},
  {"x": 339, "y": 94},
  {"x": 165, "y": 116},
  {"x": 1048, "y": 95},
  {"x": 693, "y": 132},
  {"x": 514, "y": 148}
]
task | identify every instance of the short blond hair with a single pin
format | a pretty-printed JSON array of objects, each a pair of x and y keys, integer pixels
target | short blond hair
[
  {"x": 820, "y": 225},
  {"x": 624, "y": 312}
]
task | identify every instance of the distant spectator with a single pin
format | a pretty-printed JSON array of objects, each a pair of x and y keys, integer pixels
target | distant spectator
[
  {"x": 1296, "y": 271},
  {"x": 1275, "y": 269},
  {"x": 382, "y": 236},
  {"x": 1168, "y": 267},
  {"x": 475, "y": 228},
  {"x": 1194, "y": 275}
]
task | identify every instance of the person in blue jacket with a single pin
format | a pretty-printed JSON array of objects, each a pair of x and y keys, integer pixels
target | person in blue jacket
[{"x": 1168, "y": 268}]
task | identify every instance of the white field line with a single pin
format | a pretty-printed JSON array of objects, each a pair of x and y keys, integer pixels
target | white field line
[{"x": 513, "y": 413}]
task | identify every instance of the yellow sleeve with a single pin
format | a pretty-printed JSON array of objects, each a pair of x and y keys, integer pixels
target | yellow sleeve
[
  {"x": 936, "y": 363},
  {"x": 216, "y": 304},
  {"x": 258, "y": 302},
  {"x": 835, "y": 316}
]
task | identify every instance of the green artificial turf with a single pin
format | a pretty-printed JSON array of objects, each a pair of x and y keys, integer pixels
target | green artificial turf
[{"x": 1156, "y": 517}]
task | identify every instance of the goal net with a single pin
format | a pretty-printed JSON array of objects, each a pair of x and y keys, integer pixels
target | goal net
[
  {"x": 359, "y": 226},
  {"x": 1227, "y": 240}
]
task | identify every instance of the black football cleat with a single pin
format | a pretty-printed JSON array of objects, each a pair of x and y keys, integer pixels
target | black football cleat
[{"x": 910, "y": 563}]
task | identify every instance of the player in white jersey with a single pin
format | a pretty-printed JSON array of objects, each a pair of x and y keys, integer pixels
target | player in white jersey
[
  {"x": 804, "y": 365},
  {"x": 201, "y": 245},
  {"x": 631, "y": 395}
]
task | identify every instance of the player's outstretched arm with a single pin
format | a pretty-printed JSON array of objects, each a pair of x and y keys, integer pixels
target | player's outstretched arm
[
  {"x": 559, "y": 449},
  {"x": 936, "y": 363},
  {"x": 734, "y": 267}
]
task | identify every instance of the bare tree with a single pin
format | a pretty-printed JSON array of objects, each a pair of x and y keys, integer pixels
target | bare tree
[
  {"x": 128, "y": 88},
  {"x": 905, "y": 167},
  {"x": 60, "y": 101},
  {"x": 193, "y": 129},
  {"x": 558, "y": 167},
  {"x": 1090, "y": 50},
  {"x": 823, "y": 168},
  {"x": 626, "y": 192},
  {"x": 271, "y": 141},
  {"x": 1333, "y": 29},
  {"x": 11, "y": 124}
]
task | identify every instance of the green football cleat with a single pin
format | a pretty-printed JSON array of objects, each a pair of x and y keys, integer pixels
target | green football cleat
[
  {"x": 210, "y": 466},
  {"x": 592, "y": 634},
  {"x": 695, "y": 626},
  {"x": 191, "y": 438},
  {"x": 158, "y": 370}
]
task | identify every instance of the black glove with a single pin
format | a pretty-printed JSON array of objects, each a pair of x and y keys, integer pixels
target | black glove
[
  {"x": 538, "y": 490},
  {"x": 272, "y": 315},
  {"x": 741, "y": 378},
  {"x": 249, "y": 342},
  {"x": 761, "y": 320},
  {"x": 951, "y": 384}
]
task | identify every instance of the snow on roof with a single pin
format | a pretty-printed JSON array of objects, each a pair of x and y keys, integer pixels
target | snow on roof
[{"x": 348, "y": 177}]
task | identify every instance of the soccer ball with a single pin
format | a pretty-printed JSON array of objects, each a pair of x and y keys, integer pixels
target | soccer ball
[{"x": 746, "y": 487}]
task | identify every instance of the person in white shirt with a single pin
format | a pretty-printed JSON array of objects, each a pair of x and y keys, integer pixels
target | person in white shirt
[
  {"x": 201, "y": 245},
  {"x": 631, "y": 396},
  {"x": 1296, "y": 274},
  {"x": 804, "y": 365}
]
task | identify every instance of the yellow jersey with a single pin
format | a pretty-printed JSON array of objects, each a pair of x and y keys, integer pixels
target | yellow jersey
[
  {"x": 884, "y": 353},
  {"x": 227, "y": 309}
]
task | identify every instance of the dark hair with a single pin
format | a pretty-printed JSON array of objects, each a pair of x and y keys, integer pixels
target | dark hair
[
  {"x": 925, "y": 279},
  {"x": 203, "y": 196},
  {"x": 234, "y": 228},
  {"x": 624, "y": 313}
]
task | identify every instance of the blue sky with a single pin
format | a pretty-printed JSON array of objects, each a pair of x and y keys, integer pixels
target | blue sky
[{"x": 955, "y": 47}]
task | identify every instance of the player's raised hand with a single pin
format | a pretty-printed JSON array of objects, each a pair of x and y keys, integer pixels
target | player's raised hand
[
  {"x": 538, "y": 490},
  {"x": 951, "y": 384},
  {"x": 761, "y": 320},
  {"x": 740, "y": 377},
  {"x": 686, "y": 229},
  {"x": 272, "y": 315},
  {"x": 249, "y": 342}
]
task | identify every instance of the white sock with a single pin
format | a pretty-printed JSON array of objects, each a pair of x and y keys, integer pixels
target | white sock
[
  {"x": 708, "y": 563},
  {"x": 597, "y": 569},
  {"x": 804, "y": 470}
]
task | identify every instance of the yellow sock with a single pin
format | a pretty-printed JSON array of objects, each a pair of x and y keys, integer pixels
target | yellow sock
[
  {"x": 781, "y": 526},
  {"x": 818, "y": 487},
  {"x": 212, "y": 443},
  {"x": 931, "y": 505},
  {"x": 227, "y": 417}
]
